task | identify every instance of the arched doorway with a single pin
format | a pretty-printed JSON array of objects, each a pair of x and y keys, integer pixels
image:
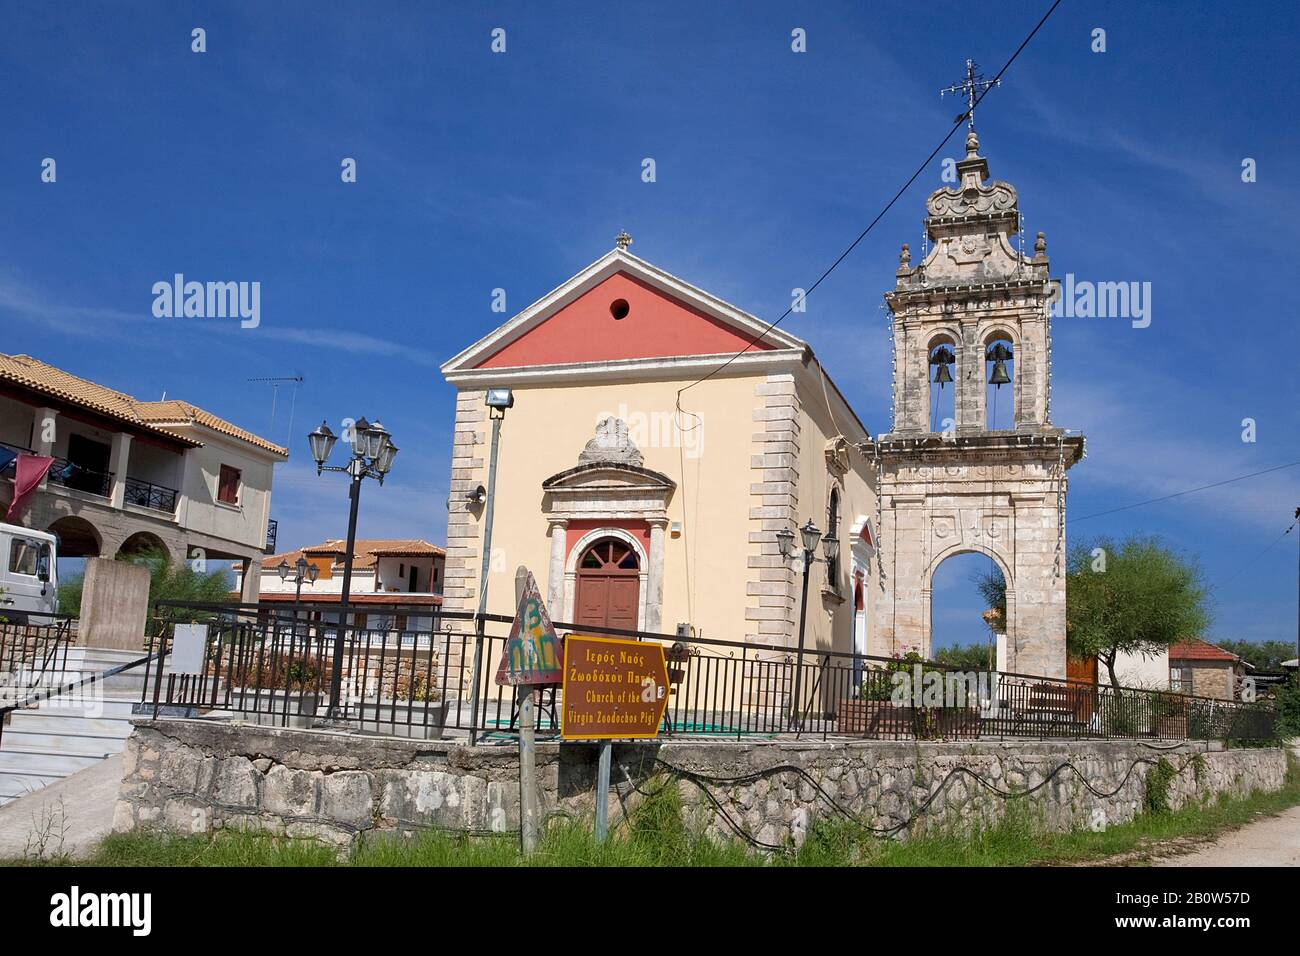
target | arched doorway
[
  {"x": 609, "y": 585},
  {"x": 970, "y": 602}
]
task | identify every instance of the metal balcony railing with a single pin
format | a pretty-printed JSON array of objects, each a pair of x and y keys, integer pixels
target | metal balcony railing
[
  {"x": 148, "y": 495},
  {"x": 69, "y": 474}
]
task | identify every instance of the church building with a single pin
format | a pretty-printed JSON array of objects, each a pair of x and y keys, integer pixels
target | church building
[
  {"x": 642, "y": 484},
  {"x": 656, "y": 445}
]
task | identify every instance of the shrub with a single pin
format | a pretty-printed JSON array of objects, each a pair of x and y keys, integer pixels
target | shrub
[
  {"x": 1288, "y": 708},
  {"x": 1159, "y": 777},
  {"x": 275, "y": 671},
  {"x": 417, "y": 687},
  {"x": 300, "y": 673}
]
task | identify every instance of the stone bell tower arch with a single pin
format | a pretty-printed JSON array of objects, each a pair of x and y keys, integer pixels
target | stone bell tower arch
[{"x": 992, "y": 478}]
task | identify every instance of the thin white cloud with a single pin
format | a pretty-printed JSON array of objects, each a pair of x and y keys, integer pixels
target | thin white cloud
[
  {"x": 101, "y": 323},
  {"x": 1210, "y": 176},
  {"x": 311, "y": 508},
  {"x": 1136, "y": 452}
]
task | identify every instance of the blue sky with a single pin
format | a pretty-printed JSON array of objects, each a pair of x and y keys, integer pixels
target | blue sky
[{"x": 478, "y": 171}]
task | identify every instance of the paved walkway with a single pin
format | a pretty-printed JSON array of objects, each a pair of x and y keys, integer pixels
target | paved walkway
[{"x": 66, "y": 818}]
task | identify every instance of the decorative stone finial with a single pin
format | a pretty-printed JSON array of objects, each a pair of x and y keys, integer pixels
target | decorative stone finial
[
  {"x": 1040, "y": 245},
  {"x": 972, "y": 145},
  {"x": 905, "y": 257},
  {"x": 623, "y": 240},
  {"x": 611, "y": 444}
]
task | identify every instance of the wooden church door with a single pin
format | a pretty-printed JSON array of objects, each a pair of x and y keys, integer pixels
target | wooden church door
[{"x": 609, "y": 586}]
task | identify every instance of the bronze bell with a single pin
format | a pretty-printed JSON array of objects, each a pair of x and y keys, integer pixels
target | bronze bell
[
  {"x": 998, "y": 353},
  {"x": 941, "y": 358},
  {"x": 999, "y": 376}
]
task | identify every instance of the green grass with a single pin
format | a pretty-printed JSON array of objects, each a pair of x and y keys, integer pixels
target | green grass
[{"x": 658, "y": 835}]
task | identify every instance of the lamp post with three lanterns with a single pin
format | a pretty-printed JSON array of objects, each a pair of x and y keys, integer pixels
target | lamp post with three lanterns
[{"x": 372, "y": 457}]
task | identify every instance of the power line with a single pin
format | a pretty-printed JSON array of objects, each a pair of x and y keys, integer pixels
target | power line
[
  {"x": 1179, "y": 494},
  {"x": 679, "y": 411},
  {"x": 1273, "y": 544},
  {"x": 880, "y": 215}
]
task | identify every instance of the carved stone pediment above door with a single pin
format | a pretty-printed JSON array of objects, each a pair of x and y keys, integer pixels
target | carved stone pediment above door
[{"x": 610, "y": 489}]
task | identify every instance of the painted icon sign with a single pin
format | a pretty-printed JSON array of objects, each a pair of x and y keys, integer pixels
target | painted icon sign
[
  {"x": 613, "y": 689},
  {"x": 532, "y": 652}
]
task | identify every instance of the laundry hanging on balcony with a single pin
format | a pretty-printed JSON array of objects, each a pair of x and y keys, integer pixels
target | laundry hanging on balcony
[{"x": 29, "y": 472}]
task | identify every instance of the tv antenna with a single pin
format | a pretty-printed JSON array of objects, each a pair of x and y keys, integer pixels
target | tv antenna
[{"x": 275, "y": 382}]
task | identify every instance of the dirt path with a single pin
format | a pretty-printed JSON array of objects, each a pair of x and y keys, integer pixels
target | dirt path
[
  {"x": 1271, "y": 841},
  {"x": 66, "y": 818}
]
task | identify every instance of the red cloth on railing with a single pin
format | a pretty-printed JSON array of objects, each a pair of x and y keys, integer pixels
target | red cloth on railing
[{"x": 29, "y": 472}]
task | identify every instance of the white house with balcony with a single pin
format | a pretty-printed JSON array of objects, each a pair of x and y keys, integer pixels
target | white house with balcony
[
  {"x": 131, "y": 476},
  {"x": 396, "y": 583}
]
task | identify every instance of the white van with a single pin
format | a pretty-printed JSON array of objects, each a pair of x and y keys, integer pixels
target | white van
[{"x": 28, "y": 577}]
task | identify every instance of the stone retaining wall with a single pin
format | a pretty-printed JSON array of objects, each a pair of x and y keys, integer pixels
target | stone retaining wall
[{"x": 198, "y": 775}]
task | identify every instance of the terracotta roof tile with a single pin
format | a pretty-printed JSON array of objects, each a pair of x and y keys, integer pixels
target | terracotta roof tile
[
  {"x": 369, "y": 551},
  {"x": 46, "y": 379},
  {"x": 175, "y": 412},
  {"x": 1197, "y": 650}
]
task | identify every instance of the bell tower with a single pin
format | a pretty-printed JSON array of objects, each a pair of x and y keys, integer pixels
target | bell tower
[{"x": 972, "y": 319}]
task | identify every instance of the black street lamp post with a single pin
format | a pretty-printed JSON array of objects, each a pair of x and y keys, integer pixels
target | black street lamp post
[
  {"x": 810, "y": 534},
  {"x": 303, "y": 570},
  {"x": 372, "y": 457}
]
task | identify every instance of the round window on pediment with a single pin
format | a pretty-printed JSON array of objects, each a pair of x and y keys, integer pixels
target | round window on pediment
[{"x": 619, "y": 309}]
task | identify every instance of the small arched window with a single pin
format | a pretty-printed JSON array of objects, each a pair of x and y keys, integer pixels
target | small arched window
[
  {"x": 941, "y": 363},
  {"x": 1000, "y": 370},
  {"x": 609, "y": 554},
  {"x": 833, "y": 528}
]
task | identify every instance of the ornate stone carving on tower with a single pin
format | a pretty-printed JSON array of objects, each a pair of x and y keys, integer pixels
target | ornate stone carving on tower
[{"x": 991, "y": 479}]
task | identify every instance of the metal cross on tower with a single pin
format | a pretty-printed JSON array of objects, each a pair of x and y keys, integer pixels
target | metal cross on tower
[{"x": 973, "y": 86}]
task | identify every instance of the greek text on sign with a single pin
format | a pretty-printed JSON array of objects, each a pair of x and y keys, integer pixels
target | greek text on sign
[
  {"x": 613, "y": 689},
  {"x": 532, "y": 652}
]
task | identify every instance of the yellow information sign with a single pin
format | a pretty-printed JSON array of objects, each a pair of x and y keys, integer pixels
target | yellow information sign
[{"x": 613, "y": 689}]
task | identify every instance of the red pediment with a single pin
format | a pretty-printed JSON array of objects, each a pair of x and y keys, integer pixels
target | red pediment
[{"x": 653, "y": 324}]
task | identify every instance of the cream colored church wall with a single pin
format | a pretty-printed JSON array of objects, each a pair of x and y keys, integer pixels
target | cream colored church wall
[
  {"x": 543, "y": 434},
  {"x": 830, "y": 618}
]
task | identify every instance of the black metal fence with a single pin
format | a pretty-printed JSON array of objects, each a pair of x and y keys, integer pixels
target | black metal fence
[
  {"x": 33, "y": 653},
  {"x": 418, "y": 671}
]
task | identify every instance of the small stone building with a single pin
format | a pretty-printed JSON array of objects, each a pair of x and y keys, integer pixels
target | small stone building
[{"x": 1204, "y": 670}]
